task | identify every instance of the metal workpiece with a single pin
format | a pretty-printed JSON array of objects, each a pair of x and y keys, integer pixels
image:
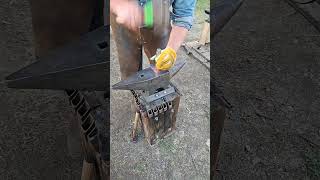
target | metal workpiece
[
  {"x": 222, "y": 13},
  {"x": 81, "y": 65}
]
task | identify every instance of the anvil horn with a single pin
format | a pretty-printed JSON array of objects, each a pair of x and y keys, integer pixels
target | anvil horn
[
  {"x": 221, "y": 14},
  {"x": 79, "y": 65},
  {"x": 148, "y": 79}
]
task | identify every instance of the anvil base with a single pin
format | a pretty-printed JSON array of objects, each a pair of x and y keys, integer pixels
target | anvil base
[{"x": 156, "y": 113}]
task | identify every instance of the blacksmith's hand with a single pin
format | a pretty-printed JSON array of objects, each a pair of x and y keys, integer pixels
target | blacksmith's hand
[
  {"x": 128, "y": 13},
  {"x": 165, "y": 59}
]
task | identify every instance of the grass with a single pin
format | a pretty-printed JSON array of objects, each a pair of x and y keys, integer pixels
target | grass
[{"x": 201, "y": 5}]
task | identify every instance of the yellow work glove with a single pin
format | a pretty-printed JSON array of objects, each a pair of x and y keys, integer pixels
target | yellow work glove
[{"x": 165, "y": 59}]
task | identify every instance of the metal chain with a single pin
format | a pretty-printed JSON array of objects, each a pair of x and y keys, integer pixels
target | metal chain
[{"x": 136, "y": 99}]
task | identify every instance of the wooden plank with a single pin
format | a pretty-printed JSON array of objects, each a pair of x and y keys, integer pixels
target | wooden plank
[
  {"x": 135, "y": 127},
  {"x": 201, "y": 54},
  {"x": 205, "y": 33},
  {"x": 88, "y": 171}
]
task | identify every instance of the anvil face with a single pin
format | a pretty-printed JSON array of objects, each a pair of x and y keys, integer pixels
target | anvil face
[
  {"x": 149, "y": 79},
  {"x": 81, "y": 65}
]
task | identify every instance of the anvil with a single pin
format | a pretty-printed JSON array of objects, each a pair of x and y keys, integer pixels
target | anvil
[
  {"x": 149, "y": 79},
  {"x": 81, "y": 65}
]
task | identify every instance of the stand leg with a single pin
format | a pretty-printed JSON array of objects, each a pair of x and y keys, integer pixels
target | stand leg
[
  {"x": 147, "y": 128},
  {"x": 204, "y": 34},
  {"x": 135, "y": 127},
  {"x": 88, "y": 171}
]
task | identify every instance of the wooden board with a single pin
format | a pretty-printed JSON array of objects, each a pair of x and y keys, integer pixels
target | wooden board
[{"x": 199, "y": 52}]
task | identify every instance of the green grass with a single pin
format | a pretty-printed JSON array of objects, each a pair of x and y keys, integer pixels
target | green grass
[{"x": 201, "y": 5}]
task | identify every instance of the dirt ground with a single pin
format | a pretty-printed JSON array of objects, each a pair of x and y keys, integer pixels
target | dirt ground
[
  {"x": 266, "y": 60},
  {"x": 183, "y": 155}
]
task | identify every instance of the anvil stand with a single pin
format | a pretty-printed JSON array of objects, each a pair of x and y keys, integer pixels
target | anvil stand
[
  {"x": 156, "y": 113},
  {"x": 156, "y": 102}
]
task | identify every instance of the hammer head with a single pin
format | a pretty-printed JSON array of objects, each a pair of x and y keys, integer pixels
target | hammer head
[{"x": 149, "y": 79}]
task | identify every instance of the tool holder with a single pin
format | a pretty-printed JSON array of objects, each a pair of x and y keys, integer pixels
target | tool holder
[
  {"x": 157, "y": 101},
  {"x": 156, "y": 113}
]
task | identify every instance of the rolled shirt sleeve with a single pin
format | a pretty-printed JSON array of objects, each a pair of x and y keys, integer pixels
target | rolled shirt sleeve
[{"x": 182, "y": 13}]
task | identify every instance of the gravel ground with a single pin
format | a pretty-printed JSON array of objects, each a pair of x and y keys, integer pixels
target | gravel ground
[
  {"x": 183, "y": 155},
  {"x": 267, "y": 62}
]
